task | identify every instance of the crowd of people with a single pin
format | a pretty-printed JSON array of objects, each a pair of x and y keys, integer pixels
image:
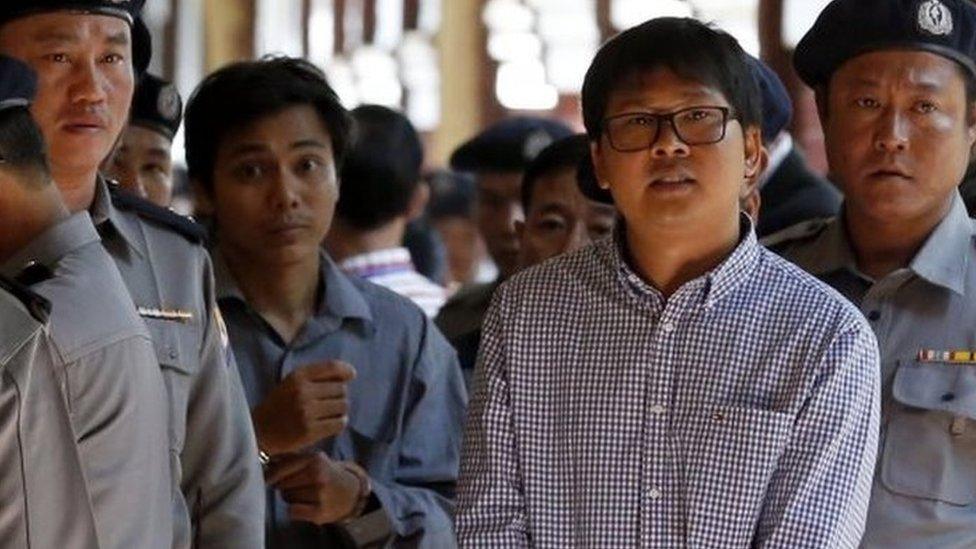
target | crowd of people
[{"x": 672, "y": 331}]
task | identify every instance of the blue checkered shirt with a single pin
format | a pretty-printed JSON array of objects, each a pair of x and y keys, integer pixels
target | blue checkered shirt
[{"x": 740, "y": 412}]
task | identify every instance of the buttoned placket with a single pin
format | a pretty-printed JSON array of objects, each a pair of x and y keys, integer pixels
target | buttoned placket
[{"x": 658, "y": 499}]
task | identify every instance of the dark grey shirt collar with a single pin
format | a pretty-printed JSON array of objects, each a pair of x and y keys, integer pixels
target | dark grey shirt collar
[
  {"x": 105, "y": 215},
  {"x": 339, "y": 299}
]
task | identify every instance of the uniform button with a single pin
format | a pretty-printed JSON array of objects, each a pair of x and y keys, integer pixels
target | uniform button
[
  {"x": 948, "y": 396},
  {"x": 658, "y": 409},
  {"x": 654, "y": 494},
  {"x": 667, "y": 327},
  {"x": 172, "y": 354},
  {"x": 873, "y": 316}
]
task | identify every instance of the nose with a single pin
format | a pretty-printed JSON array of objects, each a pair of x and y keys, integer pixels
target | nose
[
  {"x": 87, "y": 85},
  {"x": 666, "y": 142},
  {"x": 578, "y": 238},
  {"x": 285, "y": 195},
  {"x": 892, "y": 133}
]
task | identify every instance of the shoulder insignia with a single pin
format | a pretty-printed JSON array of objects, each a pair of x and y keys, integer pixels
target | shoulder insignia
[
  {"x": 39, "y": 307},
  {"x": 801, "y": 231},
  {"x": 189, "y": 229}
]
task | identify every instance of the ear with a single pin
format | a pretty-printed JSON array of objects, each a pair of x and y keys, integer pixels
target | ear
[
  {"x": 971, "y": 128},
  {"x": 203, "y": 204},
  {"x": 596, "y": 157},
  {"x": 821, "y": 97},
  {"x": 756, "y": 157},
  {"x": 419, "y": 200},
  {"x": 751, "y": 204},
  {"x": 519, "y": 228}
]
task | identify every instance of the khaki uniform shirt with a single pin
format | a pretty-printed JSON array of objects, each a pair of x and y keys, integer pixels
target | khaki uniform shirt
[
  {"x": 924, "y": 316},
  {"x": 40, "y": 471},
  {"x": 111, "y": 384}
]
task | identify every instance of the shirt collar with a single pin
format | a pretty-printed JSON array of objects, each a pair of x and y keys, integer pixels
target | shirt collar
[
  {"x": 717, "y": 283},
  {"x": 53, "y": 244},
  {"x": 379, "y": 262},
  {"x": 339, "y": 301},
  {"x": 943, "y": 260},
  {"x": 105, "y": 215}
]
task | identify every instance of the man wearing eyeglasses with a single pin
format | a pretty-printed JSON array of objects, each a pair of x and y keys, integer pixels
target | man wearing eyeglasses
[{"x": 676, "y": 385}]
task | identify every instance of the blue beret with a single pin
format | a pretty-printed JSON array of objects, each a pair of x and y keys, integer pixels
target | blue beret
[
  {"x": 509, "y": 145},
  {"x": 777, "y": 108},
  {"x": 157, "y": 105},
  {"x": 18, "y": 83},
  {"x": 848, "y": 28}
]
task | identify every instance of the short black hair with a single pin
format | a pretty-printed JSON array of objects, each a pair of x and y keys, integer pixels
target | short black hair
[
  {"x": 241, "y": 93},
  {"x": 382, "y": 168},
  {"x": 563, "y": 154},
  {"x": 689, "y": 48},
  {"x": 22, "y": 146}
]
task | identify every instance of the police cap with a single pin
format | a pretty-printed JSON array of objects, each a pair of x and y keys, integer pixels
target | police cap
[
  {"x": 848, "y": 28},
  {"x": 18, "y": 83},
  {"x": 509, "y": 145},
  {"x": 127, "y": 10},
  {"x": 157, "y": 105},
  {"x": 777, "y": 108}
]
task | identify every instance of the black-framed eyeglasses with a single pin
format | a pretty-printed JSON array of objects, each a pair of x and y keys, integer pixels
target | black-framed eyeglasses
[{"x": 636, "y": 131}]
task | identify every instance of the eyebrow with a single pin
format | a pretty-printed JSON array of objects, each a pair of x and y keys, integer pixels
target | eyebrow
[
  {"x": 308, "y": 143},
  {"x": 554, "y": 208}
]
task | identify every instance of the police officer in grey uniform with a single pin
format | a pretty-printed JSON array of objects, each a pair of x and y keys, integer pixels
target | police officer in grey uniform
[
  {"x": 40, "y": 472},
  {"x": 84, "y": 53},
  {"x": 106, "y": 368},
  {"x": 897, "y": 100}
]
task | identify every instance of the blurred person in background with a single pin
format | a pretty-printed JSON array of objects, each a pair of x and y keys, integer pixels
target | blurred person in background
[
  {"x": 497, "y": 157},
  {"x": 380, "y": 193},
  {"x": 143, "y": 161}
]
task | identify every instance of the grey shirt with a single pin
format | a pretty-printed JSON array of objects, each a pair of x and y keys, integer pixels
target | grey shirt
[
  {"x": 924, "y": 492},
  {"x": 211, "y": 441},
  {"x": 406, "y": 403},
  {"x": 40, "y": 471},
  {"x": 113, "y": 389}
]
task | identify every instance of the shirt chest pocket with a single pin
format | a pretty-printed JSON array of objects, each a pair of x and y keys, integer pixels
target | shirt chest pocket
[
  {"x": 176, "y": 347},
  {"x": 930, "y": 442},
  {"x": 732, "y": 453}
]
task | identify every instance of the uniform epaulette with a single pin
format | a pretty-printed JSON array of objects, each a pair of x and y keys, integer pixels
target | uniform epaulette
[
  {"x": 801, "y": 231},
  {"x": 124, "y": 200},
  {"x": 38, "y": 306}
]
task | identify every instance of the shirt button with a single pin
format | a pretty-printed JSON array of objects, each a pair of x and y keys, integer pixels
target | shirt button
[
  {"x": 667, "y": 327},
  {"x": 658, "y": 409},
  {"x": 654, "y": 494}
]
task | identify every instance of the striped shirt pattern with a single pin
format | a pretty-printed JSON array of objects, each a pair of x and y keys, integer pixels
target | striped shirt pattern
[{"x": 393, "y": 269}]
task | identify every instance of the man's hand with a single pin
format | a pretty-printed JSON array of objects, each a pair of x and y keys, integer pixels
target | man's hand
[
  {"x": 317, "y": 489},
  {"x": 308, "y": 406}
]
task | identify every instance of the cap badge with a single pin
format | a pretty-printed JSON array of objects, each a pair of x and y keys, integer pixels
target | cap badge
[
  {"x": 168, "y": 103},
  {"x": 935, "y": 18},
  {"x": 534, "y": 143}
]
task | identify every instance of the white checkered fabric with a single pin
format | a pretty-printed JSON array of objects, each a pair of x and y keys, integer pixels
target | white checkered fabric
[{"x": 740, "y": 412}]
